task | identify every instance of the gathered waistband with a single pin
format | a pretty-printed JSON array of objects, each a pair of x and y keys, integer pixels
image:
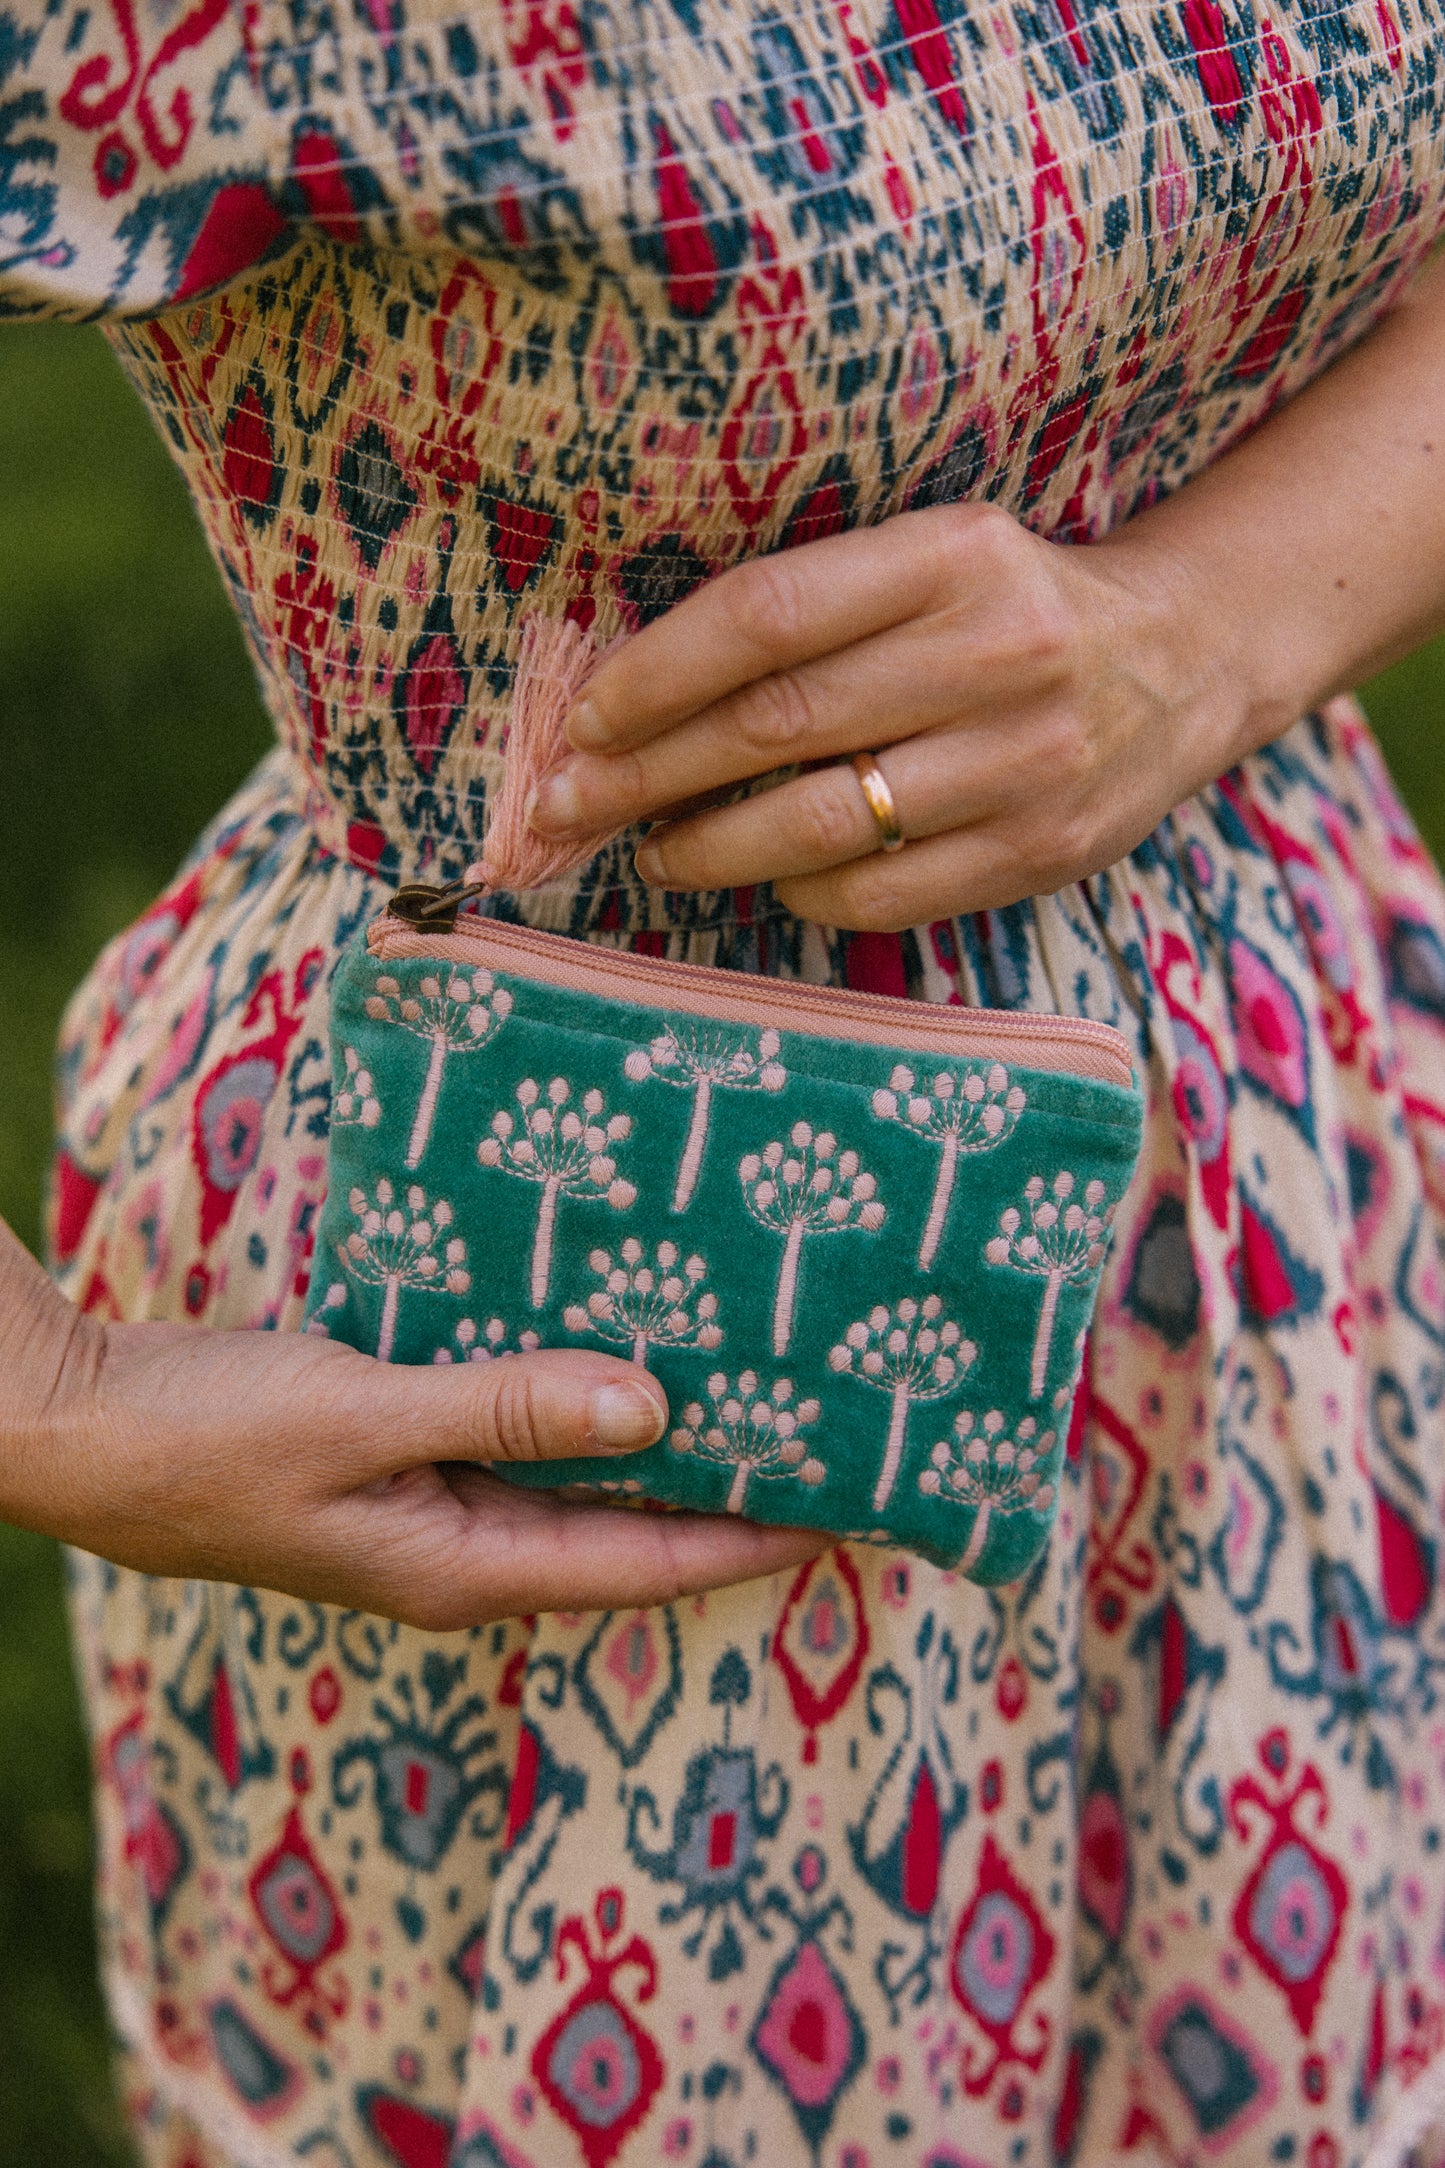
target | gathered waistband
[{"x": 605, "y": 896}]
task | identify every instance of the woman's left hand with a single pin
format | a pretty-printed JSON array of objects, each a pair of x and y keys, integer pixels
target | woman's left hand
[{"x": 1036, "y": 710}]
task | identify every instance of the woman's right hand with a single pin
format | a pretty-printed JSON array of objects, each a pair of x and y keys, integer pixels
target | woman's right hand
[{"x": 285, "y": 1461}]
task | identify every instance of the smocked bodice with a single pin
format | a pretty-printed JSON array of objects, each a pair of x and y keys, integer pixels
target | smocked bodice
[{"x": 565, "y": 307}]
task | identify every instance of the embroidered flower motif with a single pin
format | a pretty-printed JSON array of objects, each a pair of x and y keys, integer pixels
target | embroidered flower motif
[
  {"x": 911, "y": 1352},
  {"x": 458, "y": 1011},
  {"x": 981, "y": 1466},
  {"x": 966, "y": 1111},
  {"x": 395, "y": 1249},
  {"x": 646, "y": 1305},
  {"x": 753, "y": 1432},
  {"x": 1064, "y": 1241},
  {"x": 806, "y": 1186},
  {"x": 568, "y": 1153},
  {"x": 703, "y": 1057}
]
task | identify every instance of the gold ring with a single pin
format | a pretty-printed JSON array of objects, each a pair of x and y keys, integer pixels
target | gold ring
[{"x": 881, "y": 802}]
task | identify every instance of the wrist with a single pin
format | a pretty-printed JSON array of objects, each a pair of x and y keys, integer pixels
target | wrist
[
  {"x": 1213, "y": 629},
  {"x": 1177, "y": 636}
]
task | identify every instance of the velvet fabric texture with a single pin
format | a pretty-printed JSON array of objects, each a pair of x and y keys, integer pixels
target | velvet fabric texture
[{"x": 862, "y": 1273}]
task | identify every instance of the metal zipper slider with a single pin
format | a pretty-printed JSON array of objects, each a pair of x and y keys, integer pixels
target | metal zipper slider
[{"x": 433, "y": 909}]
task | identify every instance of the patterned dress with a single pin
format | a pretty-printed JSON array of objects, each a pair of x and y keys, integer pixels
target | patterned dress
[{"x": 457, "y": 315}]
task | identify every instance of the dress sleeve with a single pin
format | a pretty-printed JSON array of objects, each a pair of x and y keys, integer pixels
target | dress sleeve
[{"x": 139, "y": 162}]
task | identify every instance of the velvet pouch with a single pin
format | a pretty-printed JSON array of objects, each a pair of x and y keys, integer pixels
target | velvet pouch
[{"x": 857, "y": 1239}]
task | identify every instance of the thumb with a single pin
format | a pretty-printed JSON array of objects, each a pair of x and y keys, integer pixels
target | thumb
[{"x": 550, "y": 1405}]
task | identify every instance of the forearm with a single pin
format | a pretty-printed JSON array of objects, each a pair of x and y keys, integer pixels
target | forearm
[{"x": 1318, "y": 543}]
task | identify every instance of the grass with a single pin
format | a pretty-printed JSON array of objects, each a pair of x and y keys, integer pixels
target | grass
[{"x": 127, "y": 713}]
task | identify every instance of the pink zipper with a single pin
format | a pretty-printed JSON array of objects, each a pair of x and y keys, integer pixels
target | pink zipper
[{"x": 1073, "y": 1044}]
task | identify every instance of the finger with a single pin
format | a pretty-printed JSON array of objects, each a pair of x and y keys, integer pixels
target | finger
[
  {"x": 894, "y": 686},
  {"x": 307, "y": 1401},
  {"x": 946, "y": 876},
  {"x": 552, "y": 1404},
  {"x": 939, "y": 781},
  {"x": 507, "y": 1552},
  {"x": 805, "y": 826},
  {"x": 860, "y": 698},
  {"x": 769, "y": 614}
]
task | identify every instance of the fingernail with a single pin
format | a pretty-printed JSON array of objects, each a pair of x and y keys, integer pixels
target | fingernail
[
  {"x": 648, "y": 860},
  {"x": 555, "y": 804},
  {"x": 586, "y": 729},
  {"x": 625, "y": 1417}
]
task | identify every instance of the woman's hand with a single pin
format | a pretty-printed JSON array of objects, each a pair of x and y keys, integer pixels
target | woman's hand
[
  {"x": 1037, "y": 709},
  {"x": 291, "y": 1462}
]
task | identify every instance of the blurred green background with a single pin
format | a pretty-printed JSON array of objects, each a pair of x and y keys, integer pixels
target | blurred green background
[{"x": 127, "y": 713}]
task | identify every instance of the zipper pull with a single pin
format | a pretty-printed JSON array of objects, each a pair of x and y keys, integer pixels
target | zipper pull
[{"x": 432, "y": 909}]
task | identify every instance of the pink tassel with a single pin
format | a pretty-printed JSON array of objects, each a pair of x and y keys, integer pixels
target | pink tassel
[{"x": 555, "y": 658}]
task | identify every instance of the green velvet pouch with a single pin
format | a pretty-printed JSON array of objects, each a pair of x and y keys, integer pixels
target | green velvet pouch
[{"x": 857, "y": 1239}]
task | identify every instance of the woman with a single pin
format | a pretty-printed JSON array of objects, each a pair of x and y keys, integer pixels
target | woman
[{"x": 456, "y": 317}]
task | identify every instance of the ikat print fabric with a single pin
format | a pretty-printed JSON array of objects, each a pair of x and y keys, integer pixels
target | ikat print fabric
[
  {"x": 500, "y": 1140},
  {"x": 457, "y": 319}
]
